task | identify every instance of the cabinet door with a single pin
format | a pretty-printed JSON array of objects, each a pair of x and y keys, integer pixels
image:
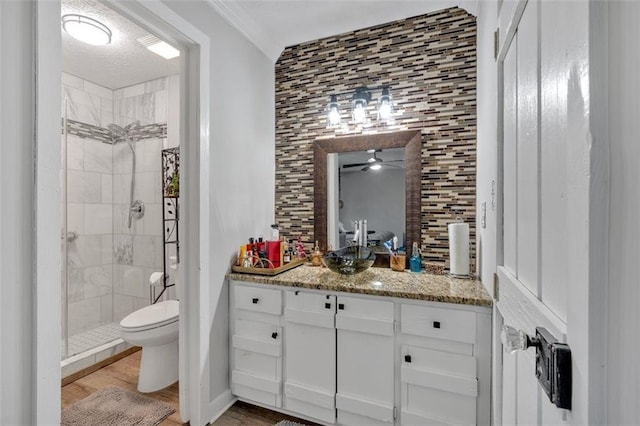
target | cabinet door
[
  {"x": 437, "y": 388},
  {"x": 257, "y": 361},
  {"x": 310, "y": 355},
  {"x": 365, "y": 370}
]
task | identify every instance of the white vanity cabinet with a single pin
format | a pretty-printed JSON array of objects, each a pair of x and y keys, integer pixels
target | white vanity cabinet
[
  {"x": 444, "y": 365},
  {"x": 339, "y": 358},
  {"x": 310, "y": 351},
  {"x": 256, "y": 344},
  {"x": 365, "y": 388}
]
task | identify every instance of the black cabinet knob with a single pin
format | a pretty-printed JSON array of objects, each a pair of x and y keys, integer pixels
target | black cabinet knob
[
  {"x": 274, "y": 335},
  {"x": 255, "y": 300},
  {"x": 436, "y": 324},
  {"x": 340, "y": 305},
  {"x": 327, "y": 305},
  {"x": 407, "y": 358}
]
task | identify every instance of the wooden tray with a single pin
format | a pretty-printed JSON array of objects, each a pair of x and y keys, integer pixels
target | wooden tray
[{"x": 267, "y": 271}]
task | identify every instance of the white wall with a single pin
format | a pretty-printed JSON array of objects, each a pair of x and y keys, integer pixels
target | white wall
[
  {"x": 623, "y": 369},
  {"x": 242, "y": 164},
  {"x": 16, "y": 204},
  {"x": 487, "y": 148},
  {"x": 30, "y": 349}
]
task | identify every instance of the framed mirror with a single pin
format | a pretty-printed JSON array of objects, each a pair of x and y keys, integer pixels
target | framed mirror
[{"x": 410, "y": 140}]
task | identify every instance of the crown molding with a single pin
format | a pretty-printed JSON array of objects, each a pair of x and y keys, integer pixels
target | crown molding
[{"x": 233, "y": 13}]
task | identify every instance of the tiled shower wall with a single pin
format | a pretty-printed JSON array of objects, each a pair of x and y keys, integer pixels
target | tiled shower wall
[
  {"x": 429, "y": 62},
  {"x": 106, "y": 280}
]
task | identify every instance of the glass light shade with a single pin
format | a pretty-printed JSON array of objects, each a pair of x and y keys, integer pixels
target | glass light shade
[
  {"x": 87, "y": 30},
  {"x": 375, "y": 166},
  {"x": 385, "y": 109},
  {"x": 333, "y": 115},
  {"x": 359, "y": 112}
]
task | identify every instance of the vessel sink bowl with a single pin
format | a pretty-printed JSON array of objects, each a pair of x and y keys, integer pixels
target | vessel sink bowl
[{"x": 349, "y": 260}]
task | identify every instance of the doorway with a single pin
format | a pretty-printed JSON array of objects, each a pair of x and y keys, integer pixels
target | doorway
[{"x": 159, "y": 20}]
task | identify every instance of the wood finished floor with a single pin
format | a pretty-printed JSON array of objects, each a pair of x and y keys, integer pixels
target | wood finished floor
[{"x": 124, "y": 373}]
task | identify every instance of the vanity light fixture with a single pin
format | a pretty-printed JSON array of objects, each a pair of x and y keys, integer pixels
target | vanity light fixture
[
  {"x": 333, "y": 112},
  {"x": 385, "y": 109},
  {"x": 87, "y": 30},
  {"x": 360, "y": 100}
]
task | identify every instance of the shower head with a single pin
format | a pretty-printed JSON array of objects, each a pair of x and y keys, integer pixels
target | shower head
[{"x": 116, "y": 130}]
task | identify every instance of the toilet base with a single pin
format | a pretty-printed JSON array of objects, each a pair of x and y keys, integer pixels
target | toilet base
[{"x": 158, "y": 367}]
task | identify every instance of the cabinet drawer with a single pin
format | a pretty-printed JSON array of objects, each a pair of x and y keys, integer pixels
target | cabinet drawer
[
  {"x": 266, "y": 300},
  {"x": 310, "y": 302},
  {"x": 456, "y": 325},
  {"x": 381, "y": 310}
]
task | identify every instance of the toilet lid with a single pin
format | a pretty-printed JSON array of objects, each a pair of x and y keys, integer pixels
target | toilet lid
[{"x": 152, "y": 316}]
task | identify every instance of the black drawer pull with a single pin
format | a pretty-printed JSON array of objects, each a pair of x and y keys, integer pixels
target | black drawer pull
[
  {"x": 340, "y": 305},
  {"x": 296, "y": 292},
  {"x": 274, "y": 335},
  {"x": 436, "y": 324},
  {"x": 327, "y": 305},
  {"x": 255, "y": 300},
  {"x": 407, "y": 358}
]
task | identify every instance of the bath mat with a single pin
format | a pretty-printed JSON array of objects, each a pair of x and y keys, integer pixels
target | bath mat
[
  {"x": 115, "y": 406},
  {"x": 289, "y": 423}
]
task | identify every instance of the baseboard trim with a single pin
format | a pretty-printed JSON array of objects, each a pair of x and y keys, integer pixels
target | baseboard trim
[
  {"x": 222, "y": 403},
  {"x": 97, "y": 366}
]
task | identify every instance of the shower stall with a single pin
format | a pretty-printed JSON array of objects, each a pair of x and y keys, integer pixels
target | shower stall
[{"x": 112, "y": 230}]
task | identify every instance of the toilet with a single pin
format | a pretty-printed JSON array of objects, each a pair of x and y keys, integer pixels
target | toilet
[{"x": 155, "y": 329}]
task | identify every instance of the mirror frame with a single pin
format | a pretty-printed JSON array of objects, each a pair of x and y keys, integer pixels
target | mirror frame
[{"x": 411, "y": 140}]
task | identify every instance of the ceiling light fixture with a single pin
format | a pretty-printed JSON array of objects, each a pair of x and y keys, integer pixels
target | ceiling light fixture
[
  {"x": 360, "y": 101},
  {"x": 159, "y": 47},
  {"x": 87, "y": 30}
]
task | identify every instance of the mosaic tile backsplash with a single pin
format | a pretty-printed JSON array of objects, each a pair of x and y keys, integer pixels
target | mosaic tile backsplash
[{"x": 429, "y": 63}]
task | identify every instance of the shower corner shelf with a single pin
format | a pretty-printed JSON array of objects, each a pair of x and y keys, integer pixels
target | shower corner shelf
[{"x": 170, "y": 217}]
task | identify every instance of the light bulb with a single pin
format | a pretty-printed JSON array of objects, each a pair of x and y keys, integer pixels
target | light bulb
[
  {"x": 375, "y": 166},
  {"x": 333, "y": 116},
  {"x": 385, "y": 110},
  {"x": 359, "y": 113}
]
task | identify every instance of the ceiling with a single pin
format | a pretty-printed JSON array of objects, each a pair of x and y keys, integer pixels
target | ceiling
[
  {"x": 271, "y": 25},
  {"x": 122, "y": 63}
]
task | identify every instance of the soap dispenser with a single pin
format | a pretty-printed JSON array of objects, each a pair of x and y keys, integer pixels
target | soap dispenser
[{"x": 415, "y": 262}]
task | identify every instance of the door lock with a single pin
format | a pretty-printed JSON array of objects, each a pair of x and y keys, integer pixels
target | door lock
[{"x": 553, "y": 361}]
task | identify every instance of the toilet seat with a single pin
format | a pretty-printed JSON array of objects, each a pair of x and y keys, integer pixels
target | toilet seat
[{"x": 152, "y": 316}]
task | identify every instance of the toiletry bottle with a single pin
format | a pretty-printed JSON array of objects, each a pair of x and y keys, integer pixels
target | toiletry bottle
[
  {"x": 415, "y": 263},
  {"x": 275, "y": 233},
  {"x": 316, "y": 255},
  {"x": 286, "y": 258}
]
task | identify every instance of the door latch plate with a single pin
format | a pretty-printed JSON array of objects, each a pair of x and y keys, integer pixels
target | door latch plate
[{"x": 553, "y": 368}]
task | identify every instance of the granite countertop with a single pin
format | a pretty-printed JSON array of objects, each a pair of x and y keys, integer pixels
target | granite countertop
[{"x": 381, "y": 282}]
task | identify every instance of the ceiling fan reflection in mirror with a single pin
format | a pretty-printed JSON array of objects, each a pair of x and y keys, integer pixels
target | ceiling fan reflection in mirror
[{"x": 374, "y": 162}]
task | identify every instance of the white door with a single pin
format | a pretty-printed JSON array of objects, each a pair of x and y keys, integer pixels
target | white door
[{"x": 543, "y": 275}]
